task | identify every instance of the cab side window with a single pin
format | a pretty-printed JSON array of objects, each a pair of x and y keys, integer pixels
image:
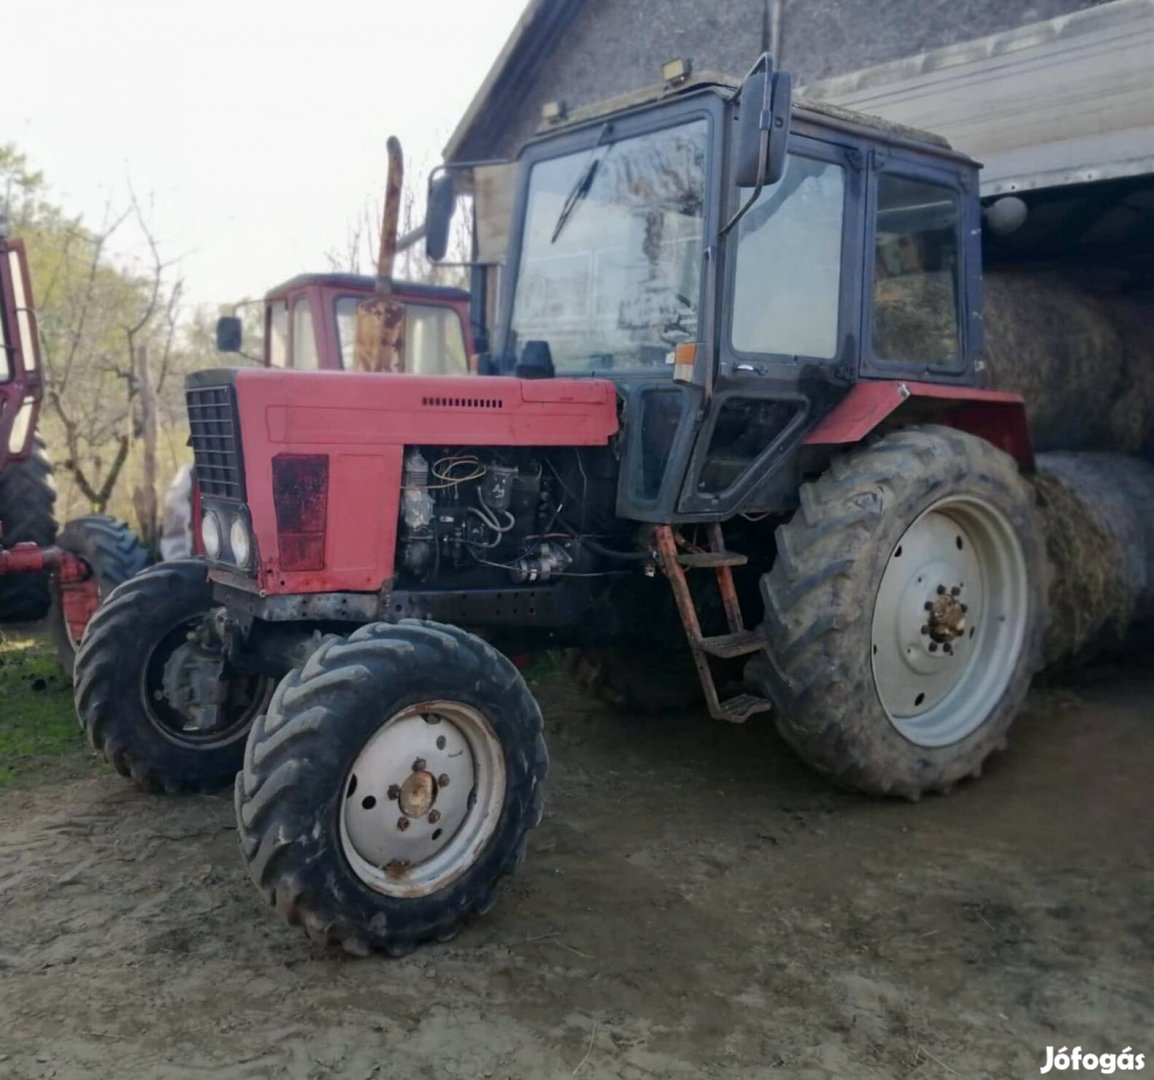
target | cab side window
[
  {"x": 787, "y": 277},
  {"x": 916, "y": 273},
  {"x": 304, "y": 337},
  {"x": 278, "y": 334}
]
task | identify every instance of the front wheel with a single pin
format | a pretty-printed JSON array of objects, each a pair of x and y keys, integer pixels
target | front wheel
[
  {"x": 154, "y": 691},
  {"x": 905, "y": 612},
  {"x": 393, "y": 782}
]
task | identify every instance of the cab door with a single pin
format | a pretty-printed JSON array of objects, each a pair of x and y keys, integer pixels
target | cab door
[{"x": 788, "y": 326}]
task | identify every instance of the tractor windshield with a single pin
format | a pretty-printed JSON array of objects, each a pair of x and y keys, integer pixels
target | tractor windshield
[{"x": 610, "y": 265}]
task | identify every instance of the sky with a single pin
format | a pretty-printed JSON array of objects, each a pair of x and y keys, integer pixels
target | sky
[{"x": 253, "y": 130}]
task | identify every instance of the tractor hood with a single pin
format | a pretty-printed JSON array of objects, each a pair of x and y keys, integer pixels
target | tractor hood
[
  {"x": 362, "y": 410},
  {"x": 314, "y": 460}
]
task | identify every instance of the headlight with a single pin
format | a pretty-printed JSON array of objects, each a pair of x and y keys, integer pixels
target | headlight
[
  {"x": 240, "y": 542},
  {"x": 211, "y": 535}
]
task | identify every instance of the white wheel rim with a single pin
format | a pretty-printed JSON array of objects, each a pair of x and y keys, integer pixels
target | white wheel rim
[
  {"x": 943, "y": 659},
  {"x": 422, "y": 798}
]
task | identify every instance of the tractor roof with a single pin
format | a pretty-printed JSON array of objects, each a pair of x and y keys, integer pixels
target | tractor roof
[
  {"x": 365, "y": 283},
  {"x": 820, "y": 111}
]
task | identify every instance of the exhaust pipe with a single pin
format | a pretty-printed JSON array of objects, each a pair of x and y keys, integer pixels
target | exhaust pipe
[{"x": 380, "y": 340}]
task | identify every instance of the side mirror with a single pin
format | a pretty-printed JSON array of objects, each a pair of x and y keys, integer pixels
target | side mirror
[
  {"x": 766, "y": 100},
  {"x": 439, "y": 215},
  {"x": 228, "y": 334}
]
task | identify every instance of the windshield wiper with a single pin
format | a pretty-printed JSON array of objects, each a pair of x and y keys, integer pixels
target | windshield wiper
[{"x": 584, "y": 182}]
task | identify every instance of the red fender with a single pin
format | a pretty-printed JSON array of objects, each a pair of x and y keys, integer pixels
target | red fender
[{"x": 998, "y": 416}]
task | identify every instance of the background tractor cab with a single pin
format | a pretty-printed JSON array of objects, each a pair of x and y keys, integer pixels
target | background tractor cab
[{"x": 309, "y": 324}]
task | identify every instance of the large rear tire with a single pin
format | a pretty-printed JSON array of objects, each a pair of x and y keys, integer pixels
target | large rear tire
[
  {"x": 113, "y": 553},
  {"x": 905, "y": 612},
  {"x": 27, "y": 501},
  {"x": 392, "y": 784},
  {"x": 146, "y": 674}
]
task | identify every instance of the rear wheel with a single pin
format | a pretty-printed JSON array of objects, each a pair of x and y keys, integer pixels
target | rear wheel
[
  {"x": 905, "y": 612},
  {"x": 27, "y": 498},
  {"x": 114, "y": 554},
  {"x": 154, "y": 691},
  {"x": 392, "y": 783}
]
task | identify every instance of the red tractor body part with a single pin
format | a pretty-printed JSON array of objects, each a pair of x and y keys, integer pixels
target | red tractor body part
[
  {"x": 79, "y": 593},
  {"x": 998, "y": 416},
  {"x": 21, "y": 387},
  {"x": 327, "y": 450}
]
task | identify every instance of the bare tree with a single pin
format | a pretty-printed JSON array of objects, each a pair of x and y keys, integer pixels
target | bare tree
[{"x": 108, "y": 336}]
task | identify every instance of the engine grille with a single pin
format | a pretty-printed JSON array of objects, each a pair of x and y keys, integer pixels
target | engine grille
[{"x": 215, "y": 440}]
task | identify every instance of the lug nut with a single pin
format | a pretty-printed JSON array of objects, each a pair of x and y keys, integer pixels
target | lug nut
[
  {"x": 434, "y": 816},
  {"x": 963, "y": 608},
  {"x": 419, "y": 765},
  {"x": 925, "y": 629},
  {"x": 929, "y": 605},
  {"x": 394, "y": 792},
  {"x": 443, "y": 780},
  {"x": 941, "y": 590},
  {"x": 955, "y": 591},
  {"x": 933, "y": 646},
  {"x": 403, "y": 823},
  {"x": 948, "y": 649}
]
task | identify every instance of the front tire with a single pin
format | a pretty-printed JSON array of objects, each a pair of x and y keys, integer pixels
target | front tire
[
  {"x": 145, "y": 674},
  {"x": 905, "y": 612},
  {"x": 113, "y": 553},
  {"x": 392, "y": 784}
]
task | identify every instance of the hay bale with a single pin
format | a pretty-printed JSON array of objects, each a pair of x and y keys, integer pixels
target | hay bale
[
  {"x": 1097, "y": 511},
  {"x": 1084, "y": 362}
]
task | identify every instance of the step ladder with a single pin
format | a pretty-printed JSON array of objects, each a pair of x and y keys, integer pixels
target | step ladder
[{"x": 738, "y": 642}]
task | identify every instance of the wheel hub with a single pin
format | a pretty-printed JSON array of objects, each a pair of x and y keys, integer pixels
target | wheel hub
[
  {"x": 193, "y": 684},
  {"x": 418, "y": 793},
  {"x": 947, "y": 621},
  {"x": 422, "y": 797}
]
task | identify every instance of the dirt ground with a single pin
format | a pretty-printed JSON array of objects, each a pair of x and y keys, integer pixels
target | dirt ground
[{"x": 695, "y": 904}]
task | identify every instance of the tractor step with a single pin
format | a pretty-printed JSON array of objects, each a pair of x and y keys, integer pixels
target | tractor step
[
  {"x": 741, "y": 707},
  {"x": 698, "y": 560},
  {"x": 727, "y": 646}
]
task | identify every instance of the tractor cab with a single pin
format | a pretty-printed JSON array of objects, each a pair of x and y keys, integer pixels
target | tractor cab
[
  {"x": 20, "y": 379},
  {"x": 735, "y": 262},
  {"x": 309, "y": 324}
]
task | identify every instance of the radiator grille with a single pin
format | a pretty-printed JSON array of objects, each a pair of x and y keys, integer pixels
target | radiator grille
[{"x": 215, "y": 440}]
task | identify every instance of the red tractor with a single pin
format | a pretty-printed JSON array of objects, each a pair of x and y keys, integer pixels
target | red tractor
[
  {"x": 41, "y": 573},
  {"x": 732, "y": 418}
]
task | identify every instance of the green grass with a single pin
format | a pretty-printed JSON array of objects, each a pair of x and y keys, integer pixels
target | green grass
[{"x": 37, "y": 723}]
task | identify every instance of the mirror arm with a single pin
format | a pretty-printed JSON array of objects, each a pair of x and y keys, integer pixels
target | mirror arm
[
  {"x": 743, "y": 210},
  {"x": 413, "y": 236}
]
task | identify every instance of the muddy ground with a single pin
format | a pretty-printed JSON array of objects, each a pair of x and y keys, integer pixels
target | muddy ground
[{"x": 695, "y": 904}]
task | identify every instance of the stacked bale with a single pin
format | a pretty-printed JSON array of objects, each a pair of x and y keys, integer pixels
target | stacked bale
[
  {"x": 1097, "y": 511},
  {"x": 1083, "y": 361}
]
